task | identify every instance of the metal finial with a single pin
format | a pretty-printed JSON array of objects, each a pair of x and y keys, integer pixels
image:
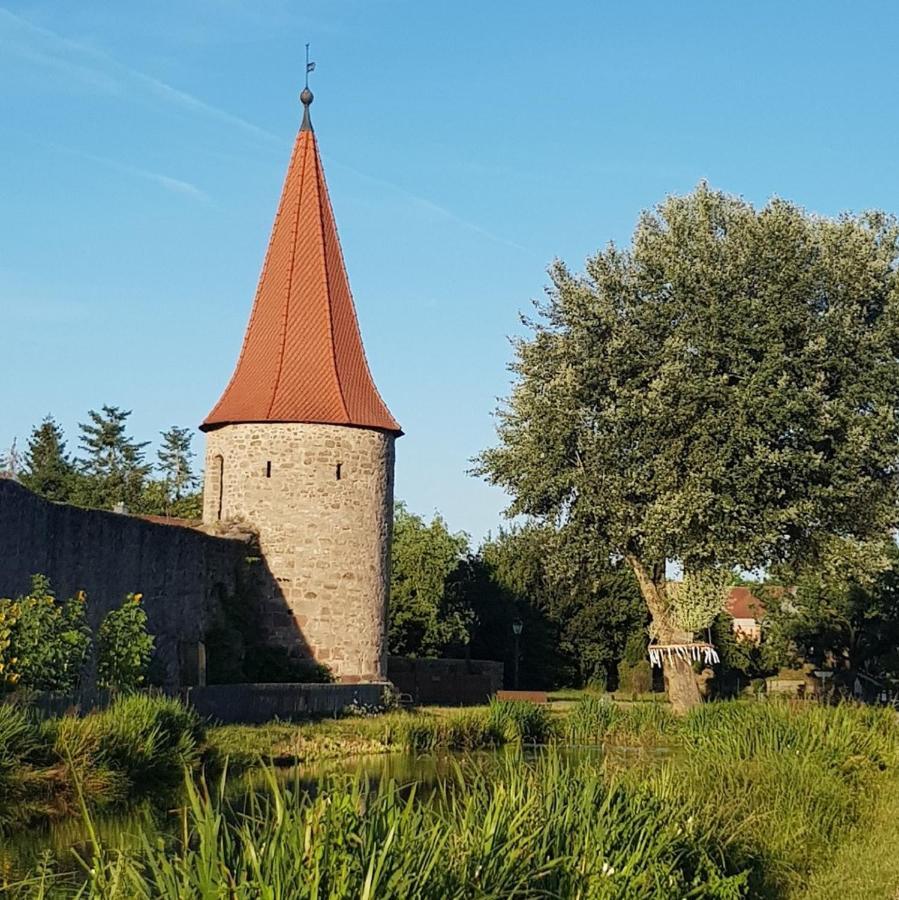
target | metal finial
[{"x": 306, "y": 96}]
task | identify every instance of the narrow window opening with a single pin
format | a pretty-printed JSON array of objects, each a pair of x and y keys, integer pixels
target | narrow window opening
[
  {"x": 337, "y": 470},
  {"x": 218, "y": 470},
  {"x": 268, "y": 469}
]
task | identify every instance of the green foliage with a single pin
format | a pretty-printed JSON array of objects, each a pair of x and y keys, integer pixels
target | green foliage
[
  {"x": 44, "y": 642},
  {"x": 840, "y": 616},
  {"x": 721, "y": 393},
  {"x": 124, "y": 646},
  {"x": 578, "y": 616},
  {"x": 113, "y": 466},
  {"x": 426, "y": 615},
  {"x": 148, "y": 739},
  {"x": 699, "y": 598},
  {"x": 519, "y": 831},
  {"x": 518, "y": 721},
  {"x": 176, "y": 463},
  {"x": 113, "y": 469},
  {"x": 18, "y": 741},
  {"x": 730, "y": 369},
  {"x": 638, "y": 820},
  {"x": 48, "y": 470},
  {"x": 139, "y": 745}
]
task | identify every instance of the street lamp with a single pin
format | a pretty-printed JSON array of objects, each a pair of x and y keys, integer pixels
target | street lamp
[{"x": 517, "y": 626}]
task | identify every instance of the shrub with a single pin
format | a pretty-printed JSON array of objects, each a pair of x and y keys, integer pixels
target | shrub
[
  {"x": 149, "y": 739},
  {"x": 124, "y": 646},
  {"x": 44, "y": 642},
  {"x": 136, "y": 745}
]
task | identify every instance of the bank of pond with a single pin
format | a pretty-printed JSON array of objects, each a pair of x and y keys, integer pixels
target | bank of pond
[{"x": 734, "y": 800}]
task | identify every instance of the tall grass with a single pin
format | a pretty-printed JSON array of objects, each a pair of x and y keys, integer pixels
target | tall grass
[
  {"x": 750, "y": 799},
  {"x": 598, "y": 721},
  {"x": 547, "y": 830}
]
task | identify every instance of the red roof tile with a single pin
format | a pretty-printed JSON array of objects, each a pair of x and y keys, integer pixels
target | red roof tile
[
  {"x": 302, "y": 358},
  {"x": 743, "y": 604}
]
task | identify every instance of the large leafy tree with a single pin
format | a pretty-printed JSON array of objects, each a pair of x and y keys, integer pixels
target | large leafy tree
[
  {"x": 427, "y": 611},
  {"x": 723, "y": 392},
  {"x": 48, "y": 471},
  {"x": 113, "y": 463}
]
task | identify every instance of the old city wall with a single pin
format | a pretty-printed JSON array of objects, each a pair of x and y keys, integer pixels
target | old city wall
[
  {"x": 182, "y": 573},
  {"x": 320, "y": 498}
]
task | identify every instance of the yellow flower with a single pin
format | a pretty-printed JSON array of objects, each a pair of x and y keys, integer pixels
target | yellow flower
[{"x": 138, "y": 598}]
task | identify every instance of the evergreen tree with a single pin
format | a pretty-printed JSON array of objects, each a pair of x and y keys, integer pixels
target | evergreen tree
[
  {"x": 113, "y": 464},
  {"x": 176, "y": 463},
  {"x": 48, "y": 470}
]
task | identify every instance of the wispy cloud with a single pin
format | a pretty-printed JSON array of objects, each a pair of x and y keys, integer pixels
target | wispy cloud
[
  {"x": 429, "y": 205},
  {"x": 176, "y": 185},
  {"x": 57, "y": 51},
  {"x": 103, "y": 71},
  {"x": 170, "y": 183}
]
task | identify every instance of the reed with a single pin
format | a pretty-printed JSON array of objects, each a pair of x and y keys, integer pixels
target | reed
[{"x": 547, "y": 829}]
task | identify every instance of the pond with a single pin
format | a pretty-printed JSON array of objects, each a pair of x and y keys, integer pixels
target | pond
[{"x": 22, "y": 851}]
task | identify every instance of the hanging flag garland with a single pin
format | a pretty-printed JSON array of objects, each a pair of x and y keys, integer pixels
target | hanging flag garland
[{"x": 699, "y": 651}]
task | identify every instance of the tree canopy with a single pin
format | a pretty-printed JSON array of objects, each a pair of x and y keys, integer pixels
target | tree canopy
[
  {"x": 425, "y": 615},
  {"x": 721, "y": 393},
  {"x": 113, "y": 469}
]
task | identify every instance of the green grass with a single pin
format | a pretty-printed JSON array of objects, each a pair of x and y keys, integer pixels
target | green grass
[
  {"x": 865, "y": 866},
  {"x": 420, "y": 731}
]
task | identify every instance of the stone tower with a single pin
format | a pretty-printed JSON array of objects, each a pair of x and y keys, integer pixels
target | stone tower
[{"x": 300, "y": 445}]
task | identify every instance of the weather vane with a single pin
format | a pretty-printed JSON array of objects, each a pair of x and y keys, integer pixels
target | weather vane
[{"x": 310, "y": 66}]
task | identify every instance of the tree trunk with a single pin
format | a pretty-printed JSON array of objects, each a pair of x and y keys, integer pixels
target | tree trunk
[
  {"x": 681, "y": 686},
  {"x": 680, "y": 679}
]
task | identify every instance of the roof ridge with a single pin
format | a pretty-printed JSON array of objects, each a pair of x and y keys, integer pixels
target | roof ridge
[
  {"x": 293, "y": 261},
  {"x": 323, "y": 193}
]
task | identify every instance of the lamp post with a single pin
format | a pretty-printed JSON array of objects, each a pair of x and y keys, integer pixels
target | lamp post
[{"x": 517, "y": 626}]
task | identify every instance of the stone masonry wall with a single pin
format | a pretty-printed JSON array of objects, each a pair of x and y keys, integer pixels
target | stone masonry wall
[
  {"x": 181, "y": 572},
  {"x": 320, "y": 498}
]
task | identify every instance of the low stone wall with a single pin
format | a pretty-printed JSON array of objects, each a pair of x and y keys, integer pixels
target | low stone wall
[
  {"x": 446, "y": 682},
  {"x": 255, "y": 703}
]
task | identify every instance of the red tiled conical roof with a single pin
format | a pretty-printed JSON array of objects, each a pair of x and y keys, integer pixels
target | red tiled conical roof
[{"x": 302, "y": 358}]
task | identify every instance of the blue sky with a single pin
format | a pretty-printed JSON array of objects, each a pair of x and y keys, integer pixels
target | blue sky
[{"x": 466, "y": 145}]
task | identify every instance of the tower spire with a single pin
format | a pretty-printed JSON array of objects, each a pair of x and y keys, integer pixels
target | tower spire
[
  {"x": 302, "y": 358},
  {"x": 306, "y": 97}
]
